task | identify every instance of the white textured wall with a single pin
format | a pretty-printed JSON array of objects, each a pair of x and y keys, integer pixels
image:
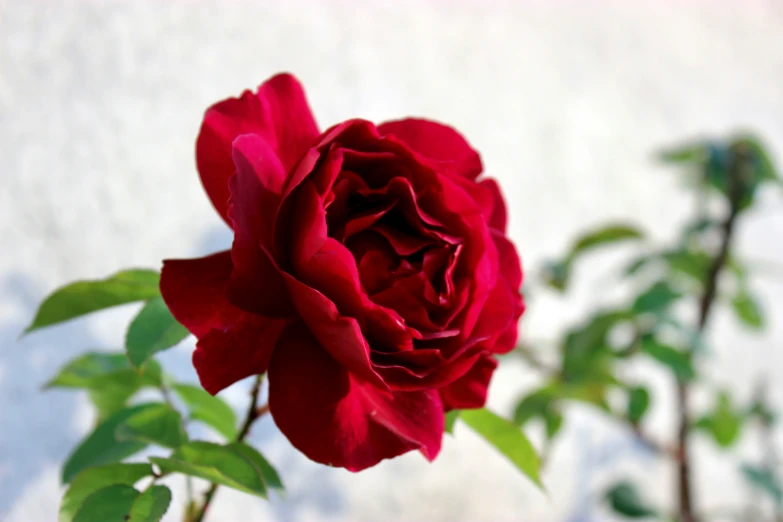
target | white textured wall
[{"x": 100, "y": 103}]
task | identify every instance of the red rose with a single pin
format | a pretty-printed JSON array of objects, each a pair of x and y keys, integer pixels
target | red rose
[{"x": 370, "y": 274}]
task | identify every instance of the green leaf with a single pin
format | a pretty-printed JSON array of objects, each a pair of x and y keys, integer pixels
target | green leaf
[
  {"x": 220, "y": 464},
  {"x": 451, "y": 420},
  {"x": 159, "y": 424},
  {"x": 110, "y": 504},
  {"x": 748, "y": 310},
  {"x": 691, "y": 153},
  {"x": 92, "y": 479},
  {"x": 268, "y": 473},
  {"x": 556, "y": 274},
  {"x": 151, "y": 505},
  {"x": 84, "y": 297},
  {"x": 638, "y": 404},
  {"x": 624, "y": 499},
  {"x": 656, "y": 298},
  {"x": 691, "y": 263},
  {"x": 101, "y": 447},
  {"x": 724, "y": 424},
  {"x": 604, "y": 236},
  {"x": 763, "y": 164},
  {"x": 506, "y": 438},
  {"x": 553, "y": 421},
  {"x": 108, "y": 377},
  {"x": 765, "y": 481},
  {"x": 153, "y": 330},
  {"x": 677, "y": 361},
  {"x": 208, "y": 409},
  {"x": 533, "y": 405}
]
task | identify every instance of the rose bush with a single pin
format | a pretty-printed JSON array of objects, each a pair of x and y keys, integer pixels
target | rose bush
[{"x": 370, "y": 274}]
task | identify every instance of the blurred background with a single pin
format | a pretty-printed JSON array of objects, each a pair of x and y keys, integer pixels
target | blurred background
[{"x": 100, "y": 104}]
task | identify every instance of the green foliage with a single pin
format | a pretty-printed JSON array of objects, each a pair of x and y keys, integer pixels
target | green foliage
[
  {"x": 724, "y": 423},
  {"x": 451, "y": 419},
  {"x": 557, "y": 273},
  {"x": 110, "y": 504},
  {"x": 84, "y": 297},
  {"x": 108, "y": 378},
  {"x": 92, "y": 479},
  {"x": 764, "y": 480},
  {"x": 151, "y": 505},
  {"x": 747, "y": 310},
  {"x": 638, "y": 404},
  {"x": 680, "y": 363},
  {"x": 267, "y": 472},
  {"x": 208, "y": 409},
  {"x": 219, "y": 464},
  {"x": 159, "y": 424},
  {"x": 153, "y": 330},
  {"x": 102, "y": 447},
  {"x": 540, "y": 404},
  {"x": 506, "y": 438},
  {"x": 625, "y": 500},
  {"x": 656, "y": 299}
]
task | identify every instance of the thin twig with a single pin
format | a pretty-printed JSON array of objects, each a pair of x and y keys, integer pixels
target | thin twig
[{"x": 254, "y": 411}]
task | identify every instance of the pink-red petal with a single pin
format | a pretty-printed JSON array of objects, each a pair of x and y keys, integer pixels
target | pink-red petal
[
  {"x": 223, "y": 357},
  {"x": 195, "y": 292},
  {"x": 278, "y": 112},
  {"x": 437, "y": 142},
  {"x": 336, "y": 418},
  {"x": 470, "y": 390}
]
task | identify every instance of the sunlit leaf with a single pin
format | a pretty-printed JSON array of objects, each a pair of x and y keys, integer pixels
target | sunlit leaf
[
  {"x": 604, "y": 236},
  {"x": 748, "y": 310},
  {"x": 101, "y": 446},
  {"x": 678, "y": 361},
  {"x": 153, "y": 330},
  {"x": 110, "y": 504},
  {"x": 159, "y": 424},
  {"x": 638, "y": 404},
  {"x": 92, "y": 479},
  {"x": 220, "y": 464},
  {"x": 657, "y": 298},
  {"x": 724, "y": 423},
  {"x": 268, "y": 473},
  {"x": 84, "y": 297},
  {"x": 151, "y": 505},
  {"x": 208, "y": 409},
  {"x": 508, "y": 439},
  {"x": 451, "y": 419},
  {"x": 689, "y": 153}
]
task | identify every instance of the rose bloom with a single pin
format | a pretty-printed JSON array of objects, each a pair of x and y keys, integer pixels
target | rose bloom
[{"x": 370, "y": 274}]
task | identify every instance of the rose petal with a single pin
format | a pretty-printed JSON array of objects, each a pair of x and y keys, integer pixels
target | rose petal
[
  {"x": 225, "y": 357},
  {"x": 195, "y": 292},
  {"x": 470, "y": 390},
  {"x": 337, "y": 419},
  {"x": 255, "y": 285},
  {"x": 498, "y": 218},
  {"x": 278, "y": 112},
  {"x": 437, "y": 142}
]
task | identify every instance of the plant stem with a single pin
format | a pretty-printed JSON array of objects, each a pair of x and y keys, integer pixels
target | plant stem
[
  {"x": 684, "y": 483},
  {"x": 253, "y": 413}
]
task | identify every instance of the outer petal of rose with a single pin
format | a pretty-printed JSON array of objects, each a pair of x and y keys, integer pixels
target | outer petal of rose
[
  {"x": 195, "y": 292},
  {"x": 223, "y": 357},
  {"x": 279, "y": 112},
  {"x": 508, "y": 261},
  {"x": 255, "y": 285},
  {"x": 437, "y": 142},
  {"x": 337, "y": 419},
  {"x": 498, "y": 218},
  {"x": 470, "y": 390}
]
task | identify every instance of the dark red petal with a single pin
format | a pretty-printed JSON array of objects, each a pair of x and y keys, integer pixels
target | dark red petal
[
  {"x": 339, "y": 336},
  {"x": 508, "y": 261},
  {"x": 223, "y": 357},
  {"x": 255, "y": 285},
  {"x": 337, "y": 419},
  {"x": 470, "y": 390},
  {"x": 278, "y": 112},
  {"x": 437, "y": 142},
  {"x": 195, "y": 292},
  {"x": 498, "y": 218}
]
